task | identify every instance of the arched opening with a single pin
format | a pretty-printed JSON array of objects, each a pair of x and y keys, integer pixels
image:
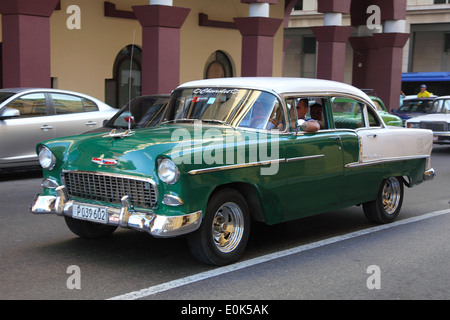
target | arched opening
[
  {"x": 127, "y": 81},
  {"x": 218, "y": 65}
]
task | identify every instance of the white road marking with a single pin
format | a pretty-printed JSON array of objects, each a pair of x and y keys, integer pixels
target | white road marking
[{"x": 272, "y": 256}]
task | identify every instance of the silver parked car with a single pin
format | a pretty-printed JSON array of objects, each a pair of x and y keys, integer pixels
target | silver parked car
[{"x": 32, "y": 115}]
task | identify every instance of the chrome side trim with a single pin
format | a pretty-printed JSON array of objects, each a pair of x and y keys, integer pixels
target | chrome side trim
[
  {"x": 385, "y": 160},
  {"x": 236, "y": 166},
  {"x": 304, "y": 158},
  {"x": 254, "y": 164}
]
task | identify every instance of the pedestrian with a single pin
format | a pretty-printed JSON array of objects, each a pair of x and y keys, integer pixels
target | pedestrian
[{"x": 423, "y": 92}]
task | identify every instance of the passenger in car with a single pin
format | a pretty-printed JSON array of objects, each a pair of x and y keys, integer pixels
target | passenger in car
[
  {"x": 302, "y": 109},
  {"x": 316, "y": 114}
]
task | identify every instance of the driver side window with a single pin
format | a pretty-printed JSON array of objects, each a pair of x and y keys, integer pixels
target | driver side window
[
  {"x": 30, "y": 105},
  {"x": 265, "y": 114}
]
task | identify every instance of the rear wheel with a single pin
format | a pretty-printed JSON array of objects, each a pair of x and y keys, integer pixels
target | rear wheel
[
  {"x": 386, "y": 207},
  {"x": 224, "y": 232},
  {"x": 86, "y": 229}
]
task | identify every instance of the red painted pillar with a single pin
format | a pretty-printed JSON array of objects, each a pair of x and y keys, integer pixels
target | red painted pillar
[
  {"x": 257, "y": 31},
  {"x": 378, "y": 57},
  {"x": 257, "y": 45},
  {"x": 332, "y": 42},
  {"x": 332, "y": 39},
  {"x": 388, "y": 77},
  {"x": 160, "y": 46},
  {"x": 26, "y": 42},
  {"x": 365, "y": 53}
]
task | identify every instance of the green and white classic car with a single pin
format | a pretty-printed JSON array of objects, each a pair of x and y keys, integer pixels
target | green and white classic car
[{"x": 229, "y": 152}]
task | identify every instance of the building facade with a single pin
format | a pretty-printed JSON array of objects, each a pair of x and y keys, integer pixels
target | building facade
[
  {"x": 426, "y": 49},
  {"x": 117, "y": 49}
]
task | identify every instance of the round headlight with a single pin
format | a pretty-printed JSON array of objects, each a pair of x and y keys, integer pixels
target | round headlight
[
  {"x": 46, "y": 158},
  {"x": 168, "y": 171}
]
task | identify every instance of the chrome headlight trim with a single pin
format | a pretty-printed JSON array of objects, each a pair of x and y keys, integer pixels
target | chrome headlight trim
[
  {"x": 168, "y": 171},
  {"x": 46, "y": 158}
]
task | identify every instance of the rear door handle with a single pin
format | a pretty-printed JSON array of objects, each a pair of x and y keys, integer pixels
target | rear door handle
[{"x": 337, "y": 138}]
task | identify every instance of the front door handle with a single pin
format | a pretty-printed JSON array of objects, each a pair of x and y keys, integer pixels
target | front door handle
[
  {"x": 46, "y": 127},
  {"x": 337, "y": 138},
  {"x": 91, "y": 123}
]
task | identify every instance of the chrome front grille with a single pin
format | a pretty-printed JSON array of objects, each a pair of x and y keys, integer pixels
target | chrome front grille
[
  {"x": 111, "y": 188},
  {"x": 434, "y": 126}
]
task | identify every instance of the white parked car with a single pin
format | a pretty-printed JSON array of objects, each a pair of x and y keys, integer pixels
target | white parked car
[
  {"x": 31, "y": 115},
  {"x": 437, "y": 119}
]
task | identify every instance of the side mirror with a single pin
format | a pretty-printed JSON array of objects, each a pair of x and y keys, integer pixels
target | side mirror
[{"x": 8, "y": 113}]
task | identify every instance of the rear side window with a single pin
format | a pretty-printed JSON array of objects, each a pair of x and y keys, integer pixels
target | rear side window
[
  {"x": 89, "y": 105},
  {"x": 347, "y": 113},
  {"x": 66, "y": 103}
]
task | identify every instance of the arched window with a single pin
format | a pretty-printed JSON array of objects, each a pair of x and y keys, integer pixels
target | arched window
[
  {"x": 127, "y": 81},
  {"x": 218, "y": 65}
]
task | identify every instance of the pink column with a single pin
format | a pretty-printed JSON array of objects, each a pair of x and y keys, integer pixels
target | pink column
[
  {"x": 332, "y": 39},
  {"x": 365, "y": 53},
  {"x": 257, "y": 45},
  {"x": 160, "y": 46},
  {"x": 388, "y": 76},
  {"x": 26, "y": 42},
  {"x": 332, "y": 42},
  {"x": 378, "y": 58}
]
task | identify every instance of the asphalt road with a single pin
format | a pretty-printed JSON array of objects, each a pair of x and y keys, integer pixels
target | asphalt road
[{"x": 336, "y": 255}]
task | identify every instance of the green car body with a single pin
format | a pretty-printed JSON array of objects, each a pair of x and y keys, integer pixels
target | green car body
[
  {"x": 209, "y": 176},
  {"x": 388, "y": 118}
]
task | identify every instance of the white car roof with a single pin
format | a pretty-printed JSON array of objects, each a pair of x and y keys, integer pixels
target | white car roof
[{"x": 281, "y": 85}]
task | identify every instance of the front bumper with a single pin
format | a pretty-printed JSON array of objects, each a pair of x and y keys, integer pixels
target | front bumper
[
  {"x": 126, "y": 216},
  {"x": 441, "y": 137}
]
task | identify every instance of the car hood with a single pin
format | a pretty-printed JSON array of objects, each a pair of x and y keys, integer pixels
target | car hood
[
  {"x": 138, "y": 153},
  {"x": 431, "y": 117}
]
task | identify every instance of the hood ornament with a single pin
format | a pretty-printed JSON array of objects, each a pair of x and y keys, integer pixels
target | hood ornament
[
  {"x": 114, "y": 134},
  {"x": 105, "y": 162}
]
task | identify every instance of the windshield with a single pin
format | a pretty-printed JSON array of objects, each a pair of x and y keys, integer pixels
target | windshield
[
  {"x": 415, "y": 106},
  {"x": 231, "y": 106},
  {"x": 440, "y": 106},
  {"x": 144, "y": 111}
]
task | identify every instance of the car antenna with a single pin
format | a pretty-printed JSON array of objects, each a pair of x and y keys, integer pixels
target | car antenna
[
  {"x": 129, "y": 81},
  {"x": 128, "y": 132}
]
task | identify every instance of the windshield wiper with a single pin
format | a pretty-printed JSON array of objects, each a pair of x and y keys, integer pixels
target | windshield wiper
[
  {"x": 217, "y": 121},
  {"x": 177, "y": 120}
]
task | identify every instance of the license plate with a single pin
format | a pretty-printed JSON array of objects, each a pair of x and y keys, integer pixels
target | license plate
[{"x": 90, "y": 213}]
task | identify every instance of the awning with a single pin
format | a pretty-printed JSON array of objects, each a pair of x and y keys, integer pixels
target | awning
[{"x": 425, "y": 76}]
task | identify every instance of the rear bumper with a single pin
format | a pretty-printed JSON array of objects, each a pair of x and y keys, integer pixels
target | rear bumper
[
  {"x": 125, "y": 216},
  {"x": 429, "y": 174}
]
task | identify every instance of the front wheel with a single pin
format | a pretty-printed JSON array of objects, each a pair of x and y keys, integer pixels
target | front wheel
[
  {"x": 224, "y": 232},
  {"x": 386, "y": 207}
]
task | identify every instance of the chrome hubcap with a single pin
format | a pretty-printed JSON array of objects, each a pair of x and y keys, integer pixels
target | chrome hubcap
[
  {"x": 391, "y": 195},
  {"x": 228, "y": 227}
]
